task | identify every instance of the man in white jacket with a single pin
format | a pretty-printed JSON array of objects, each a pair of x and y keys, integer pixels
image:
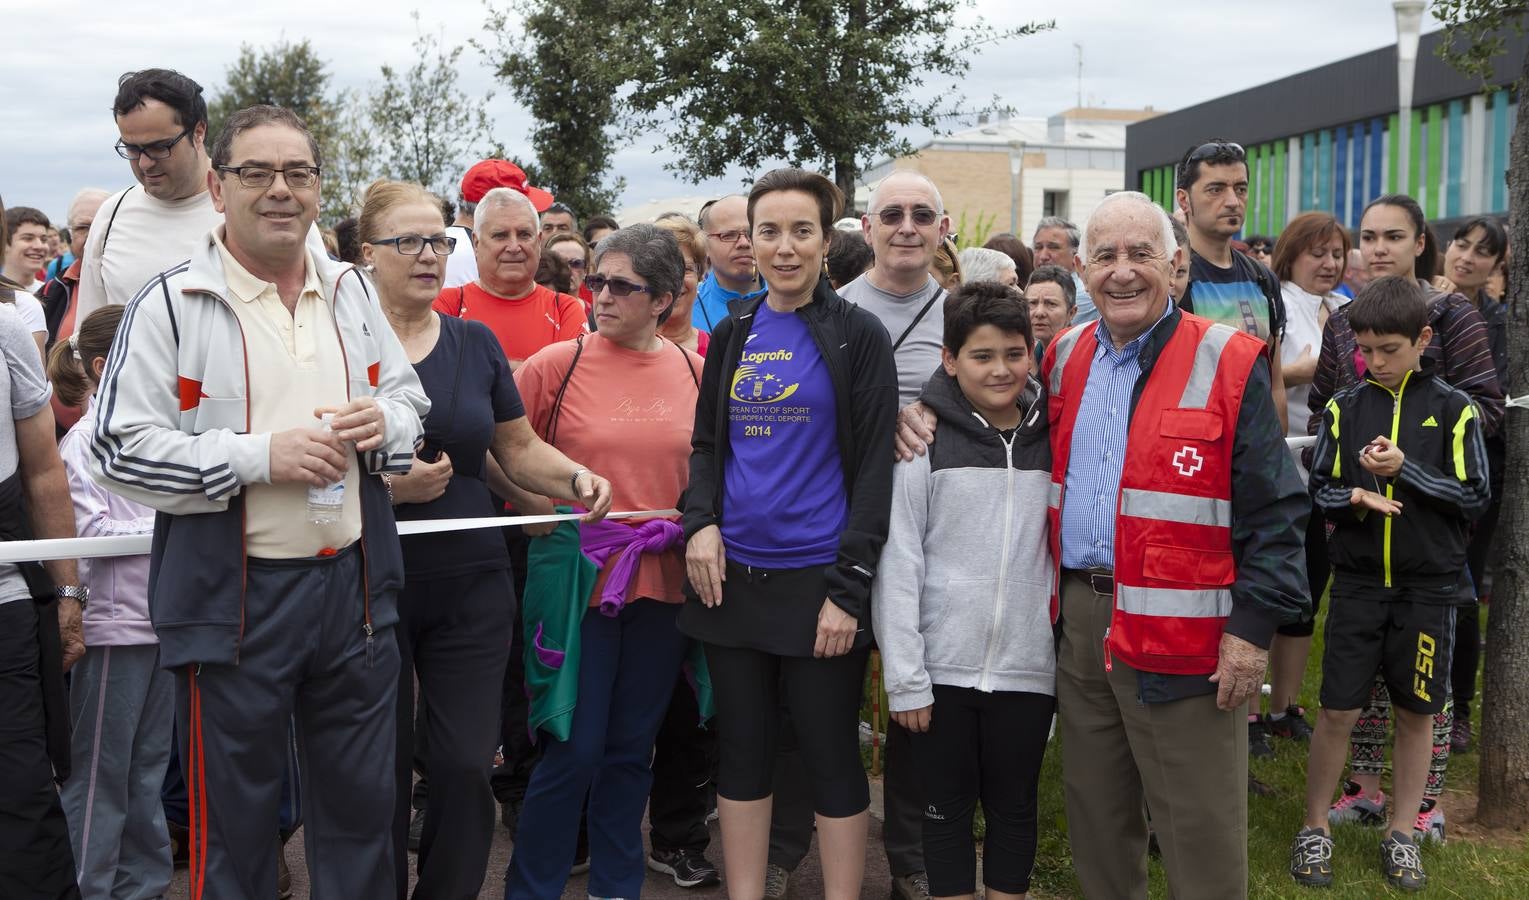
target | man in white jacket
[{"x": 209, "y": 412}]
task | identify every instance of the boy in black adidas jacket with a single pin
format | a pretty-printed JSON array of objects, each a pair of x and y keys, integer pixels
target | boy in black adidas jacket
[{"x": 1400, "y": 469}]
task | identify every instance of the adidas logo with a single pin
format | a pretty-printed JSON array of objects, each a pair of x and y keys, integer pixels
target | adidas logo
[{"x": 1430, "y": 422}]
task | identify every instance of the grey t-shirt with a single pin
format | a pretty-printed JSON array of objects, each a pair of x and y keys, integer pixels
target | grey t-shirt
[
  {"x": 23, "y": 381},
  {"x": 919, "y": 354}
]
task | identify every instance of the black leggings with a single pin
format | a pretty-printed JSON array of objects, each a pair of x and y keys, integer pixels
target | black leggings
[
  {"x": 988, "y": 747},
  {"x": 823, "y": 696}
]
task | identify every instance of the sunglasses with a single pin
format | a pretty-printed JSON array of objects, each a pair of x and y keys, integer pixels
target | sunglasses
[
  {"x": 1214, "y": 150},
  {"x": 619, "y": 287},
  {"x": 923, "y": 216}
]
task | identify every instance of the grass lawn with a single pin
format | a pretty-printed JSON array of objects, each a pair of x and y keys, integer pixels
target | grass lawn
[{"x": 1470, "y": 865}]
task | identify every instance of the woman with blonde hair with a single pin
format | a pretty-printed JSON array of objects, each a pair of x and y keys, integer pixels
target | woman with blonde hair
[
  {"x": 679, "y": 327},
  {"x": 457, "y": 605}
]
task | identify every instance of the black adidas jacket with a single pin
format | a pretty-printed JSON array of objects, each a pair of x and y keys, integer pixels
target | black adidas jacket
[{"x": 1442, "y": 486}]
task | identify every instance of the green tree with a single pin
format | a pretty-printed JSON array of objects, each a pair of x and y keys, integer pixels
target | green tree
[
  {"x": 822, "y": 83},
  {"x": 1475, "y": 43},
  {"x": 293, "y": 76},
  {"x": 427, "y": 124},
  {"x": 564, "y": 60}
]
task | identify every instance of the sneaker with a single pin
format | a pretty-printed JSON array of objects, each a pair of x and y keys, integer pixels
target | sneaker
[
  {"x": 1258, "y": 738},
  {"x": 777, "y": 882},
  {"x": 580, "y": 865},
  {"x": 1311, "y": 858},
  {"x": 1460, "y": 734},
  {"x": 690, "y": 868},
  {"x": 1292, "y": 726},
  {"x": 1401, "y": 863},
  {"x": 1430, "y": 824},
  {"x": 1354, "y": 808},
  {"x": 416, "y": 828},
  {"x": 180, "y": 845},
  {"x": 911, "y": 887}
]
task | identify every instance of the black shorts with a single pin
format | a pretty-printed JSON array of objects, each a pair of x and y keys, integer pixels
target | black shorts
[{"x": 1408, "y": 640}]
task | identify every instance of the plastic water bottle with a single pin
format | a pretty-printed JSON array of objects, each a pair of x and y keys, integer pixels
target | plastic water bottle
[{"x": 325, "y": 503}]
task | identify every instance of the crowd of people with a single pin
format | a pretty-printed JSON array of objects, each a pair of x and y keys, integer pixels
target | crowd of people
[{"x": 1047, "y": 480}]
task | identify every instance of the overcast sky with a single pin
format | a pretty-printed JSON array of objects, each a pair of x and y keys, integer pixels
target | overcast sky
[{"x": 62, "y": 59}]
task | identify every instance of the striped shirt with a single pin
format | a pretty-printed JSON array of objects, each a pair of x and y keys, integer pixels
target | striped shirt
[
  {"x": 1098, "y": 451},
  {"x": 1461, "y": 347}
]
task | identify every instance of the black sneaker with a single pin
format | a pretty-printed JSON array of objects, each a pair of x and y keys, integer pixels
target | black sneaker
[
  {"x": 416, "y": 828},
  {"x": 1258, "y": 738},
  {"x": 1401, "y": 863},
  {"x": 1311, "y": 858},
  {"x": 1292, "y": 726},
  {"x": 689, "y": 868}
]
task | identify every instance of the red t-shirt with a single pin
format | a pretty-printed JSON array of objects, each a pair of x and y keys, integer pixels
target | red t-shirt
[{"x": 522, "y": 326}]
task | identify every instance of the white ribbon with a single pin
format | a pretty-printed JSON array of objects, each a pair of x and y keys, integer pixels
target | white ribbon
[
  {"x": 1520, "y": 402},
  {"x": 139, "y": 544},
  {"x": 1296, "y": 443}
]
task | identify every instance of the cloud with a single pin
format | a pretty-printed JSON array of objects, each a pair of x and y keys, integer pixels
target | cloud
[{"x": 60, "y": 68}]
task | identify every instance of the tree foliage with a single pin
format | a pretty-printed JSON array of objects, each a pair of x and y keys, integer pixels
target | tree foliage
[
  {"x": 824, "y": 84},
  {"x": 293, "y": 76},
  {"x": 1475, "y": 37},
  {"x": 427, "y": 125},
  {"x": 564, "y": 61}
]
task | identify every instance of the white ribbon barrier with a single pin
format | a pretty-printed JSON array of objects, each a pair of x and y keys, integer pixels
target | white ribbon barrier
[
  {"x": 1297, "y": 443},
  {"x": 1520, "y": 402},
  {"x": 139, "y": 544}
]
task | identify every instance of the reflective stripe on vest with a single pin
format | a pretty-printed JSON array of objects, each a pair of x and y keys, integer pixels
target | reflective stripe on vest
[
  {"x": 1167, "y": 507},
  {"x": 1063, "y": 346},
  {"x": 1175, "y": 602},
  {"x": 1202, "y": 375}
]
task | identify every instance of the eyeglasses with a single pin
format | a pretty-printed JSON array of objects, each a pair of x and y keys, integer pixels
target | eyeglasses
[
  {"x": 1215, "y": 149},
  {"x": 728, "y": 237},
  {"x": 156, "y": 150},
  {"x": 922, "y": 216},
  {"x": 264, "y": 176},
  {"x": 414, "y": 244},
  {"x": 619, "y": 287},
  {"x": 575, "y": 262}
]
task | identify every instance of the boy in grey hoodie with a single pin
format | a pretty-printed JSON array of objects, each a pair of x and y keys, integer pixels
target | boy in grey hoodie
[{"x": 961, "y": 601}]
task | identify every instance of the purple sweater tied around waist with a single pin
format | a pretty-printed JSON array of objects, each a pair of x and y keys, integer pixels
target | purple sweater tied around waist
[{"x": 603, "y": 539}]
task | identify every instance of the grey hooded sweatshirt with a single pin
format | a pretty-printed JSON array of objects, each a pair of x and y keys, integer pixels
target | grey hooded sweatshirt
[{"x": 962, "y": 595}]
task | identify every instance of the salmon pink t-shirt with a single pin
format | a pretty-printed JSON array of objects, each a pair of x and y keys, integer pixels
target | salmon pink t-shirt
[{"x": 627, "y": 415}]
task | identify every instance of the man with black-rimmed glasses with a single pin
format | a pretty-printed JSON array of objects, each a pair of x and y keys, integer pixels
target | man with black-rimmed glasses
[
  {"x": 154, "y": 224},
  {"x": 730, "y": 261}
]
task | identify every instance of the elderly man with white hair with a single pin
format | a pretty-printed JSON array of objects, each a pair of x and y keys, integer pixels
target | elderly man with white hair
[
  {"x": 1177, "y": 520},
  {"x": 982, "y": 264}
]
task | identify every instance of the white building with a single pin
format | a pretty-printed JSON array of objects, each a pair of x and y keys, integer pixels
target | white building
[{"x": 1009, "y": 174}]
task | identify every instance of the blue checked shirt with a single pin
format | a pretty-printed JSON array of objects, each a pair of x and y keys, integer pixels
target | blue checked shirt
[{"x": 1098, "y": 451}]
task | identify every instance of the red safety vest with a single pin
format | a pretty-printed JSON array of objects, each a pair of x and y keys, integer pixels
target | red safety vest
[{"x": 1173, "y": 522}]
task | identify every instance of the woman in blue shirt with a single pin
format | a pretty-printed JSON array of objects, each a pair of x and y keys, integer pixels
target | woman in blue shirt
[
  {"x": 785, "y": 516},
  {"x": 457, "y": 606}
]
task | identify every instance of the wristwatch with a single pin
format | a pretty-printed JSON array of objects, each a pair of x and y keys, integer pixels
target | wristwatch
[{"x": 74, "y": 592}]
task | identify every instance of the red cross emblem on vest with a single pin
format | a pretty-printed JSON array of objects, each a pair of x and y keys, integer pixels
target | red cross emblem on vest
[{"x": 1188, "y": 461}]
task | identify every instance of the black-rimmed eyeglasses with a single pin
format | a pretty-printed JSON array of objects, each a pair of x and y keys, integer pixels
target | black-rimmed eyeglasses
[
  {"x": 414, "y": 244},
  {"x": 619, "y": 287},
  {"x": 264, "y": 176},
  {"x": 156, "y": 150}
]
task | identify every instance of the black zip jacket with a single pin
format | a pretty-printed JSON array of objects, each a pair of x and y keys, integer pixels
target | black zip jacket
[
  {"x": 1443, "y": 484},
  {"x": 858, "y": 353}
]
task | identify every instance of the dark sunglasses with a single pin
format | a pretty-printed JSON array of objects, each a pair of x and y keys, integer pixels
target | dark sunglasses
[
  {"x": 1216, "y": 149},
  {"x": 619, "y": 287},
  {"x": 923, "y": 216}
]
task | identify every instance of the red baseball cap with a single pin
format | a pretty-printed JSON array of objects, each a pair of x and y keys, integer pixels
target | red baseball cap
[{"x": 495, "y": 173}]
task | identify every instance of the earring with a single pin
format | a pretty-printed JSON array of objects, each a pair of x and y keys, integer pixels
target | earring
[{"x": 369, "y": 268}]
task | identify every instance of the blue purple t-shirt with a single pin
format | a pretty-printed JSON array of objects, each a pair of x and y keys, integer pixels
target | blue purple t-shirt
[{"x": 784, "y": 503}]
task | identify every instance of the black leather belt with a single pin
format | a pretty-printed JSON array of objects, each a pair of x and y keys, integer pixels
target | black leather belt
[{"x": 1100, "y": 581}]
